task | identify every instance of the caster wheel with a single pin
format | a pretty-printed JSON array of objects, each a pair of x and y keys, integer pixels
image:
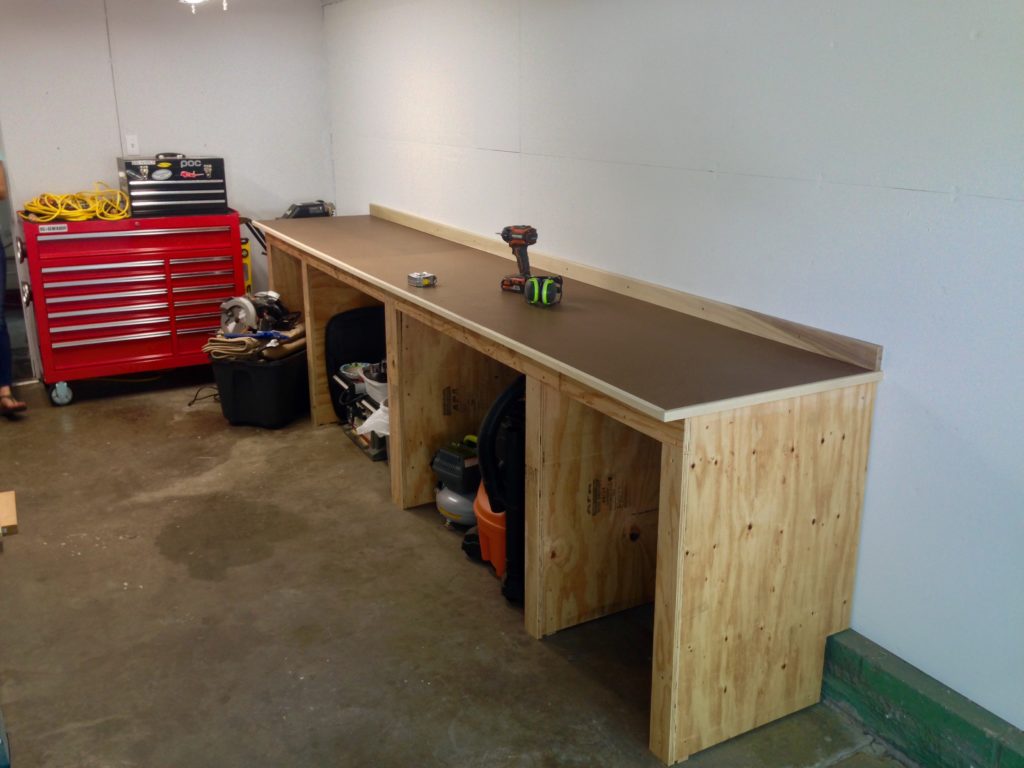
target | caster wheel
[{"x": 61, "y": 394}]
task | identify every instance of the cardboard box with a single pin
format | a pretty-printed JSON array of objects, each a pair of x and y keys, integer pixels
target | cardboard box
[{"x": 8, "y": 514}]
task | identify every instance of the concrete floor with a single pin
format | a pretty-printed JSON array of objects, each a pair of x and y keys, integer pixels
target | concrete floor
[{"x": 183, "y": 592}]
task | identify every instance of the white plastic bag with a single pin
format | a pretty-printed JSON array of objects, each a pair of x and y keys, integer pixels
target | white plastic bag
[{"x": 377, "y": 422}]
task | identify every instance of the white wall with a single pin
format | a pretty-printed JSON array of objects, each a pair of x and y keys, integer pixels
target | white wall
[
  {"x": 854, "y": 166},
  {"x": 247, "y": 85}
]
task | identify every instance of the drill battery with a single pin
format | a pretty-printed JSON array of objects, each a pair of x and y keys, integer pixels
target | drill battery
[{"x": 514, "y": 283}]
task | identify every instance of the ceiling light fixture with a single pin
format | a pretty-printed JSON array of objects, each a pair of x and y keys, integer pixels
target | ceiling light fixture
[{"x": 193, "y": 3}]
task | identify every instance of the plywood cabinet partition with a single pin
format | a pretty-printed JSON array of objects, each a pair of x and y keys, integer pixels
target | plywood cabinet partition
[
  {"x": 315, "y": 291},
  {"x": 285, "y": 272},
  {"x": 440, "y": 391},
  {"x": 592, "y": 490},
  {"x": 724, "y": 483}
]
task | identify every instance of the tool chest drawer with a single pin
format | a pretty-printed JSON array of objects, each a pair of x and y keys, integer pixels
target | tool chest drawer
[{"x": 115, "y": 297}]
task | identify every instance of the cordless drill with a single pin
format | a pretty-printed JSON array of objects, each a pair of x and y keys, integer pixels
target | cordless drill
[{"x": 519, "y": 237}]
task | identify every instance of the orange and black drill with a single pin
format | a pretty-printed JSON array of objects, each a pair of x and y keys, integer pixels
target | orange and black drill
[
  {"x": 541, "y": 291},
  {"x": 519, "y": 237}
]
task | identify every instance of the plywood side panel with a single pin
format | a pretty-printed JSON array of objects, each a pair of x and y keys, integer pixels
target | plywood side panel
[
  {"x": 331, "y": 269},
  {"x": 324, "y": 298},
  {"x": 446, "y": 390},
  {"x": 533, "y": 598},
  {"x": 396, "y": 446},
  {"x": 592, "y": 511},
  {"x": 667, "y": 656},
  {"x": 284, "y": 272},
  {"x": 772, "y": 497}
]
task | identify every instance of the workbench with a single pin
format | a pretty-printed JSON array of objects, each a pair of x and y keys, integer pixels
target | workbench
[{"x": 679, "y": 450}]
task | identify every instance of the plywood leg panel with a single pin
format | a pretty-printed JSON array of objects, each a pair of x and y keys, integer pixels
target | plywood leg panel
[
  {"x": 767, "y": 531},
  {"x": 592, "y": 511},
  {"x": 666, "y": 740},
  {"x": 324, "y": 297},
  {"x": 440, "y": 391},
  {"x": 284, "y": 273},
  {"x": 396, "y": 448}
]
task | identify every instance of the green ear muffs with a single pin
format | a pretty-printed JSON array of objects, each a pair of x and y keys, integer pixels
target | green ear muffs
[{"x": 544, "y": 291}]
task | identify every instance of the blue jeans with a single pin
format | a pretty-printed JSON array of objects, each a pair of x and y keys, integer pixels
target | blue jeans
[{"x": 5, "y": 339}]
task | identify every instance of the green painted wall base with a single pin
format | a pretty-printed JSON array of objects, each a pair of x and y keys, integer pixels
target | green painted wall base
[{"x": 930, "y": 723}]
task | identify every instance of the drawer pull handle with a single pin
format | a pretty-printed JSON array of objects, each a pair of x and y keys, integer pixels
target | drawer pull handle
[
  {"x": 134, "y": 183},
  {"x": 213, "y": 330},
  {"x": 199, "y": 302},
  {"x": 207, "y": 273},
  {"x": 90, "y": 267},
  {"x": 111, "y": 339},
  {"x": 201, "y": 260},
  {"x": 197, "y": 315},
  {"x": 132, "y": 233},
  {"x": 195, "y": 288},
  {"x": 177, "y": 192},
  {"x": 105, "y": 281},
  {"x": 152, "y": 203},
  {"x": 103, "y": 296},
  {"x": 105, "y": 310},
  {"x": 113, "y": 324}
]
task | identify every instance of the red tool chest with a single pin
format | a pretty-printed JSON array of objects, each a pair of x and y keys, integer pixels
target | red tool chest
[{"x": 116, "y": 297}]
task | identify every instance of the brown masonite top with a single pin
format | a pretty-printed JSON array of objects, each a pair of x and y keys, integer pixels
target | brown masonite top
[{"x": 664, "y": 363}]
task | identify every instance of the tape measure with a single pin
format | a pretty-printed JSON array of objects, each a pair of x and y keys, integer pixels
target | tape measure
[{"x": 422, "y": 279}]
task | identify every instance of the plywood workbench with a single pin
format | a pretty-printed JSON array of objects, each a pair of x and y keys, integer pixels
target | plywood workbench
[{"x": 678, "y": 450}]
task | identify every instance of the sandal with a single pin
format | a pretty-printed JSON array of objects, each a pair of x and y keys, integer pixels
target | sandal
[{"x": 9, "y": 405}]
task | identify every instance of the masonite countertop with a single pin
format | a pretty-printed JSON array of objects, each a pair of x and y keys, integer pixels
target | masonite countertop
[{"x": 664, "y": 363}]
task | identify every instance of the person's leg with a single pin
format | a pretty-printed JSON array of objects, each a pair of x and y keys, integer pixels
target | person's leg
[
  {"x": 8, "y": 404},
  {"x": 5, "y": 339}
]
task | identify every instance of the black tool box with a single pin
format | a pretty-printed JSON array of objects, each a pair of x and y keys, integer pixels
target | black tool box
[
  {"x": 173, "y": 185},
  {"x": 263, "y": 393}
]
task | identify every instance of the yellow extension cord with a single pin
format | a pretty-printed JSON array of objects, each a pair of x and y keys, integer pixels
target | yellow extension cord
[{"x": 102, "y": 202}]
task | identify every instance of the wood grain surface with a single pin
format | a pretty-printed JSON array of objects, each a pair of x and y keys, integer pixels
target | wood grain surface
[
  {"x": 778, "y": 489},
  {"x": 664, "y": 363},
  {"x": 592, "y": 512},
  {"x": 446, "y": 389},
  {"x": 835, "y": 345},
  {"x": 325, "y": 297}
]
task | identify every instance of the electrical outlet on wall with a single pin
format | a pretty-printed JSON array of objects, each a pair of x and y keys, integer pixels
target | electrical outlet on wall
[{"x": 131, "y": 144}]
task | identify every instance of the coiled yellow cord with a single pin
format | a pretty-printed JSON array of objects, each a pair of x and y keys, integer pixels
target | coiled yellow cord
[{"x": 102, "y": 202}]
